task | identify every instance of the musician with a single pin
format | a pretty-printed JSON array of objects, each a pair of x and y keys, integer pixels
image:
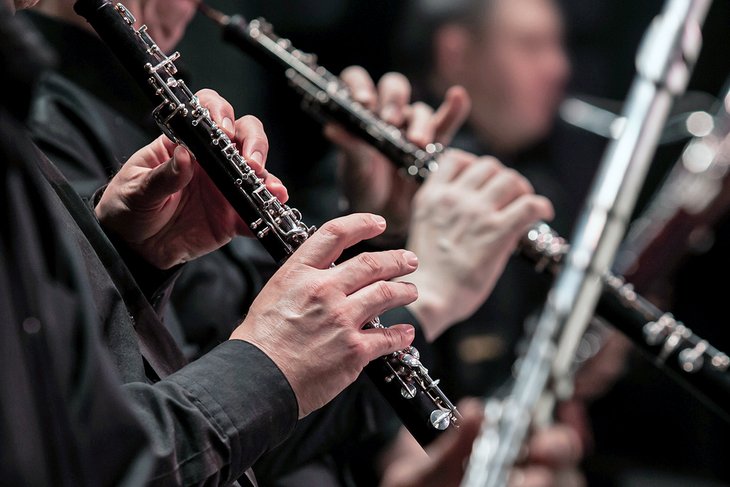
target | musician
[
  {"x": 208, "y": 421},
  {"x": 122, "y": 226}
]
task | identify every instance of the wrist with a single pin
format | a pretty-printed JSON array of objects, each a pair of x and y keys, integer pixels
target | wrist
[{"x": 431, "y": 309}]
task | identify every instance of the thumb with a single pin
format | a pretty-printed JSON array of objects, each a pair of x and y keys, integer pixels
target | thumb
[
  {"x": 382, "y": 341},
  {"x": 168, "y": 178}
]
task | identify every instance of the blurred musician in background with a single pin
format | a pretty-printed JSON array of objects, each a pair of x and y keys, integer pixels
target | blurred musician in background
[{"x": 511, "y": 58}]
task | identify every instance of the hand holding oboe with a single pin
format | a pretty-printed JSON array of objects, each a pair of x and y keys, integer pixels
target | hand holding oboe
[
  {"x": 369, "y": 179},
  {"x": 466, "y": 219},
  {"x": 166, "y": 208}
]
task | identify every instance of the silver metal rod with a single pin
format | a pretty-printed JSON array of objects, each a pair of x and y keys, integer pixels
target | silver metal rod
[{"x": 664, "y": 64}]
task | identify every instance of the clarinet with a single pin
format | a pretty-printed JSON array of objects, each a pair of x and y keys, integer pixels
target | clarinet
[
  {"x": 324, "y": 95},
  {"x": 400, "y": 377}
]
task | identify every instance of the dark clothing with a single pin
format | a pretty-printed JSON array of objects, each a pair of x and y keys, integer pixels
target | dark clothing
[
  {"x": 89, "y": 136},
  {"x": 206, "y": 422},
  {"x": 89, "y": 141},
  {"x": 58, "y": 410},
  {"x": 64, "y": 286}
]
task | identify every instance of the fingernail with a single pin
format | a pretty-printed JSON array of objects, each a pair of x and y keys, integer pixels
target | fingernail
[
  {"x": 228, "y": 125},
  {"x": 363, "y": 96},
  {"x": 175, "y": 154},
  {"x": 379, "y": 220},
  {"x": 411, "y": 332},
  {"x": 258, "y": 158},
  {"x": 411, "y": 258}
]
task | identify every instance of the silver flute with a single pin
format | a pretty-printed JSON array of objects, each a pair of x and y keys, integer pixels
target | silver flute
[
  {"x": 664, "y": 64},
  {"x": 404, "y": 381}
]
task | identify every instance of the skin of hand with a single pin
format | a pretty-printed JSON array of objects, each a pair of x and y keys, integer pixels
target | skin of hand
[
  {"x": 371, "y": 181},
  {"x": 467, "y": 220},
  {"x": 549, "y": 459},
  {"x": 309, "y": 317},
  {"x": 164, "y": 205}
]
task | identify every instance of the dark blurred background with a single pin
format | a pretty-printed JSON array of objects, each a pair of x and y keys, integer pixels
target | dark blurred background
[{"x": 647, "y": 431}]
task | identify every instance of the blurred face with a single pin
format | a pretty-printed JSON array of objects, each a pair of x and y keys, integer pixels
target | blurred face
[
  {"x": 516, "y": 70},
  {"x": 165, "y": 19}
]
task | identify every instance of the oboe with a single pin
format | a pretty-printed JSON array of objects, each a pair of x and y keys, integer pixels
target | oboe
[
  {"x": 667, "y": 342},
  {"x": 325, "y": 95},
  {"x": 401, "y": 377}
]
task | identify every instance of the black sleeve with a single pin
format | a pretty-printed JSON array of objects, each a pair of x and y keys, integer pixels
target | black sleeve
[
  {"x": 60, "y": 399},
  {"x": 210, "y": 421}
]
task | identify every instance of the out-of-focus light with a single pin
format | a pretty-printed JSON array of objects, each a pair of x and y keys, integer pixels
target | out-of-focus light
[
  {"x": 697, "y": 157},
  {"x": 700, "y": 124}
]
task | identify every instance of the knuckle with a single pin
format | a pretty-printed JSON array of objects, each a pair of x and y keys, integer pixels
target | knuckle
[
  {"x": 385, "y": 291},
  {"x": 316, "y": 289},
  {"x": 491, "y": 163},
  {"x": 394, "y": 77},
  {"x": 333, "y": 229},
  {"x": 449, "y": 199},
  {"x": 355, "y": 345},
  {"x": 370, "y": 263},
  {"x": 252, "y": 121},
  {"x": 391, "y": 337},
  {"x": 341, "y": 316},
  {"x": 421, "y": 108},
  {"x": 354, "y": 70}
]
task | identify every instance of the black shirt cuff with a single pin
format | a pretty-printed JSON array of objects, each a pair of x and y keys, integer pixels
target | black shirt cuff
[{"x": 245, "y": 396}]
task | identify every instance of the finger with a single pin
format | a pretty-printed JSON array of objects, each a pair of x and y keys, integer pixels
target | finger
[
  {"x": 362, "y": 88},
  {"x": 168, "y": 178},
  {"x": 451, "y": 163},
  {"x": 379, "y": 297},
  {"x": 276, "y": 187},
  {"x": 220, "y": 110},
  {"x": 505, "y": 187},
  {"x": 250, "y": 136},
  {"x": 525, "y": 211},
  {"x": 451, "y": 115},
  {"x": 421, "y": 128},
  {"x": 477, "y": 174},
  {"x": 371, "y": 267},
  {"x": 557, "y": 446},
  {"x": 532, "y": 476},
  {"x": 327, "y": 244},
  {"x": 383, "y": 341},
  {"x": 394, "y": 93}
]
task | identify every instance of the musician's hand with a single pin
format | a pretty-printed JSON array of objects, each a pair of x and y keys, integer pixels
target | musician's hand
[
  {"x": 467, "y": 220},
  {"x": 370, "y": 181},
  {"x": 309, "y": 316},
  {"x": 165, "y": 19},
  {"x": 550, "y": 458},
  {"x": 164, "y": 206}
]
